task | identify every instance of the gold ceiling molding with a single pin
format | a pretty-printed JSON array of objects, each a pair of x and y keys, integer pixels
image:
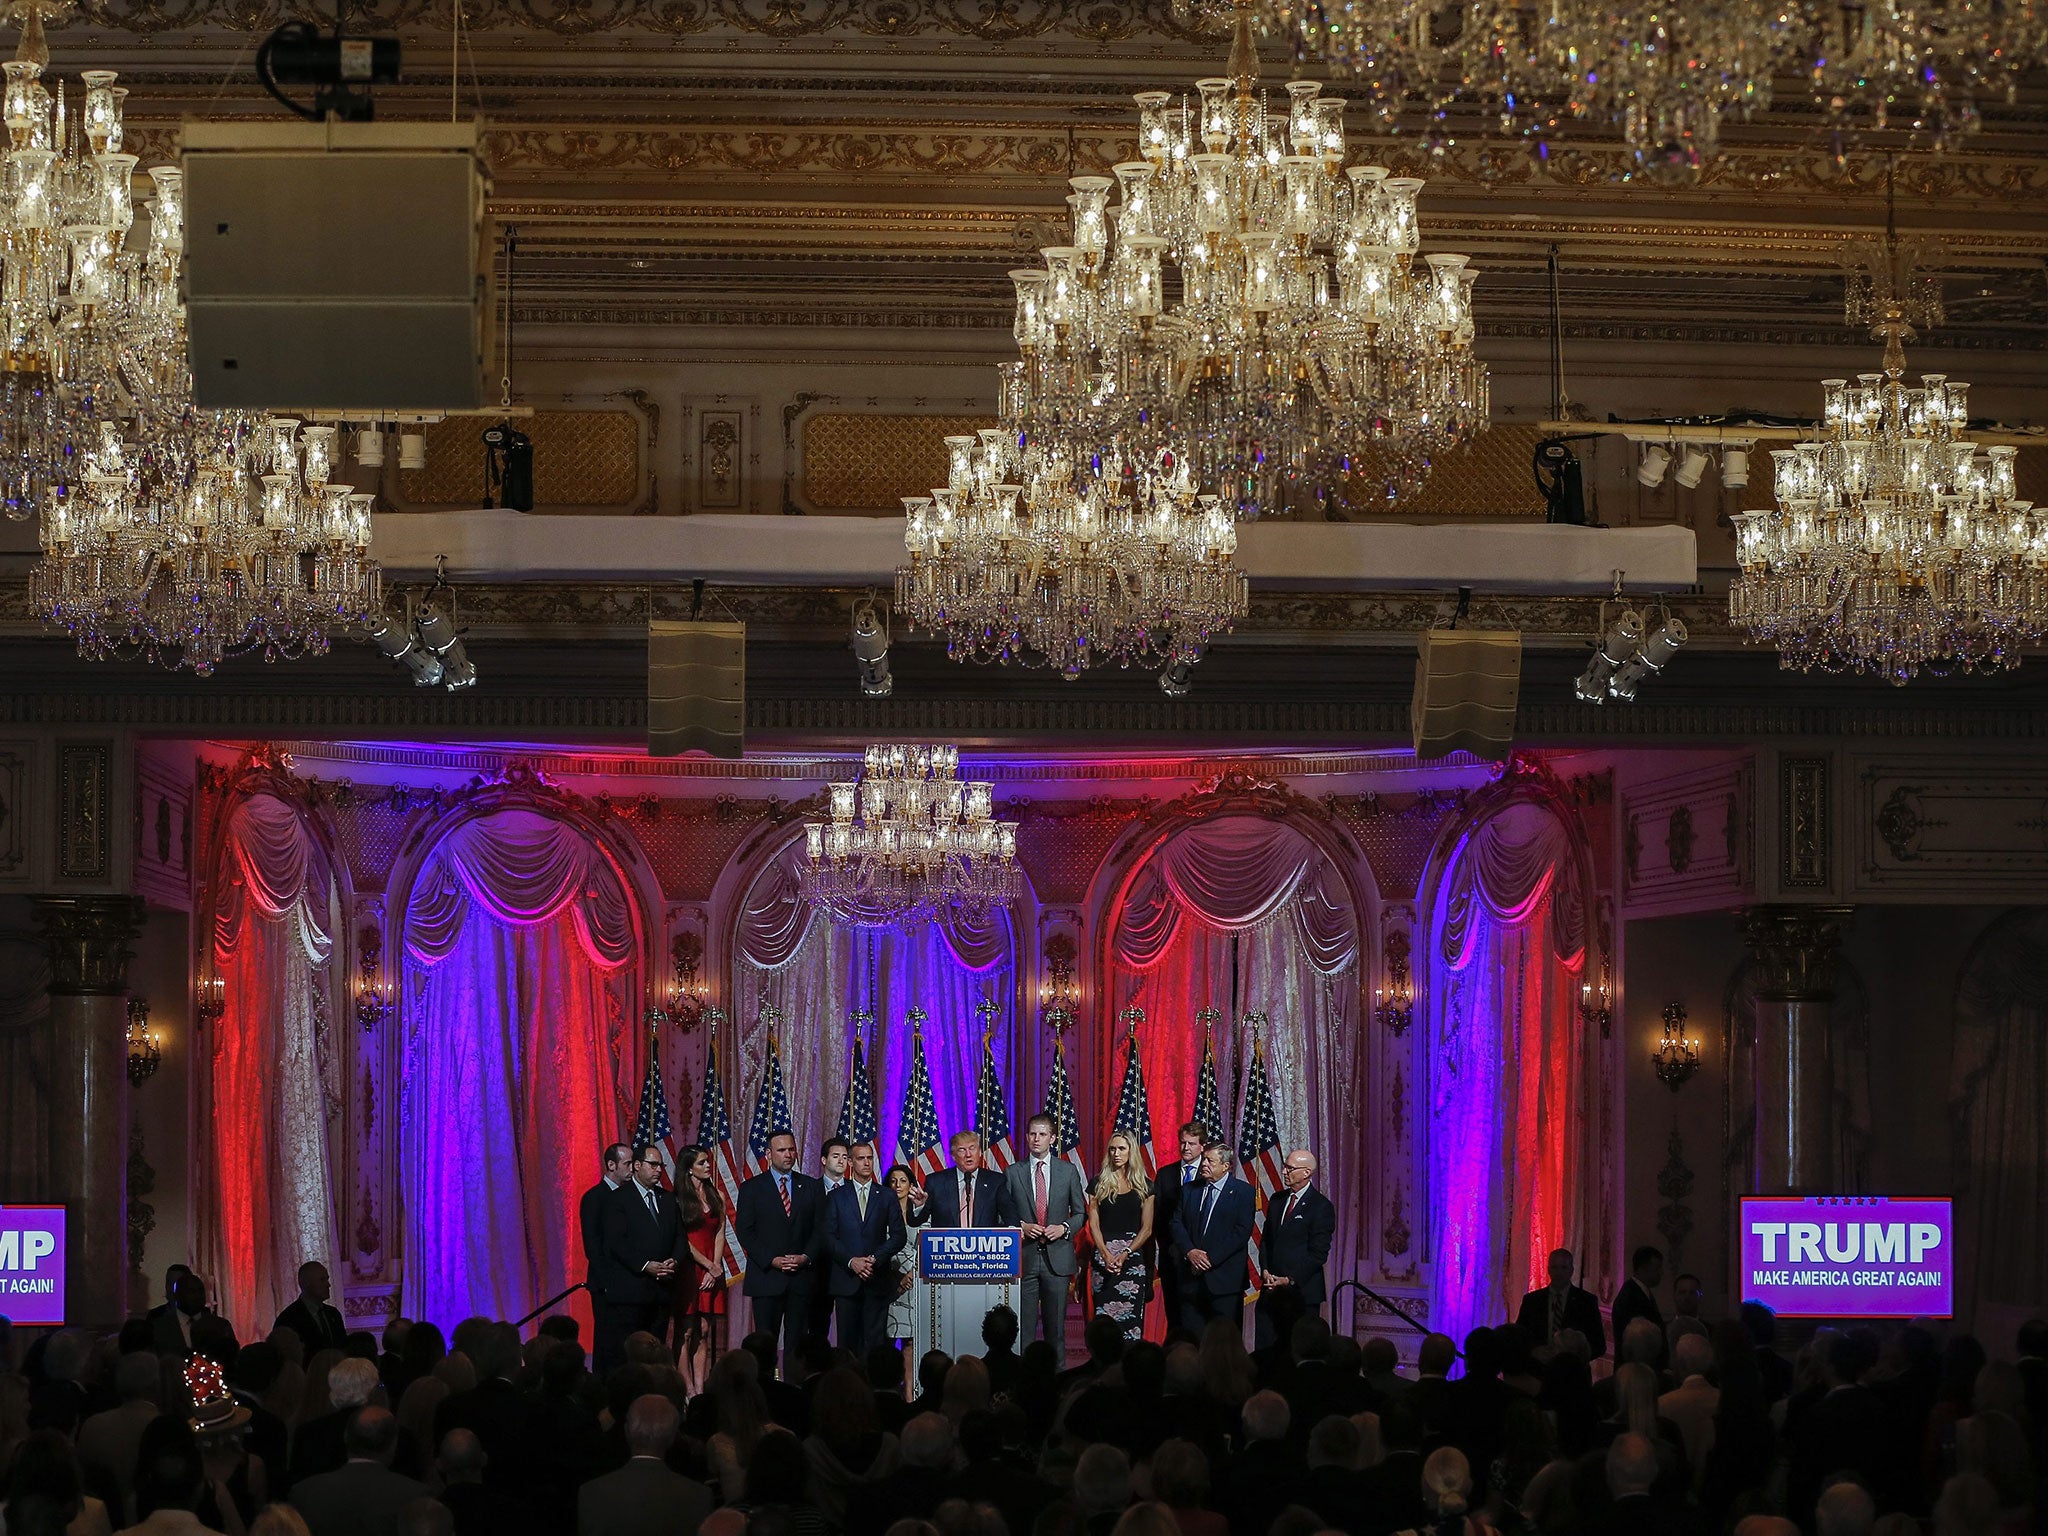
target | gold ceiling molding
[{"x": 869, "y": 461}]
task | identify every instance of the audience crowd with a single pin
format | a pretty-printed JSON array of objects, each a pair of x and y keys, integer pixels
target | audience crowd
[{"x": 1698, "y": 1430}]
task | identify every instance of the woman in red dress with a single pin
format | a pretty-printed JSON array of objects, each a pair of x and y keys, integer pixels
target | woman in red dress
[{"x": 700, "y": 1292}]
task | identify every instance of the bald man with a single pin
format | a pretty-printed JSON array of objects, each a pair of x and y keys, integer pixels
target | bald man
[{"x": 1300, "y": 1223}]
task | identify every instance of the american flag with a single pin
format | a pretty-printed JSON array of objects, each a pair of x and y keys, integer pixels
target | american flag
[
  {"x": 857, "y": 1109},
  {"x": 771, "y": 1112},
  {"x": 714, "y": 1135},
  {"x": 1258, "y": 1146},
  {"x": 917, "y": 1140},
  {"x": 1059, "y": 1104},
  {"x": 1208, "y": 1102},
  {"x": 991, "y": 1114},
  {"x": 1133, "y": 1108},
  {"x": 653, "y": 1127}
]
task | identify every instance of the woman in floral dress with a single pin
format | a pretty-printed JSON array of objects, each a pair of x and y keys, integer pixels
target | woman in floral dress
[{"x": 1120, "y": 1225}]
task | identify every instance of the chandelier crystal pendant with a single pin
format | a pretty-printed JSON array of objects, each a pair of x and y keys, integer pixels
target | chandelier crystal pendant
[
  {"x": 1026, "y": 556},
  {"x": 1896, "y": 544},
  {"x": 1251, "y": 302},
  {"x": 169, "y": 532},
  {"x": 908, "y": 840}
]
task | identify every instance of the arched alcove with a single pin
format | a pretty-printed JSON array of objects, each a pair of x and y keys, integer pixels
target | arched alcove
[
  {"x": 522, "y": 927},
  {"x": 1512, "y": 1114},
  {"x": 273, "y": 1072}
]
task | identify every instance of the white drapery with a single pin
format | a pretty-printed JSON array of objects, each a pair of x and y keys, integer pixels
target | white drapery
[
  {"x": 1511, "y": 1161},
  {"x": 274, "y": 1074},
  {"x": 519, "y": 1061}
]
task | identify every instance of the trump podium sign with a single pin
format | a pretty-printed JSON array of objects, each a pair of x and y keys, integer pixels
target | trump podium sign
[
  {"x": 32, "y": 1264},
  {"x": 985, "y": 1255},
  {"x": 1848, "y": 1256}
]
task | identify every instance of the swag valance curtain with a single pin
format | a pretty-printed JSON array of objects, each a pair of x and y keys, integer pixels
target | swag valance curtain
[
  {"x": 1512, "y": 1167},
  {"x": 520, "y": 1060},
  {"x": 273, "y": 1079}
]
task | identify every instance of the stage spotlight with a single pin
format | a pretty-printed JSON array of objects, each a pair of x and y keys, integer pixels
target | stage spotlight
[
  {"x": 1692, "y": 467},
  {"x": 425, "y": 641},
  {"x": 412, "y": 450},
  {"x": 1665, "y": 642},
  {"x": 370, "y": 447},
  {"x": 1656, "y": 459},
  {"x": 1614, "y": 651},
  {"x": 1178, "y": 680},
  {"x": 1735, "y": 468},
  {"x": 871, "y": 650}
]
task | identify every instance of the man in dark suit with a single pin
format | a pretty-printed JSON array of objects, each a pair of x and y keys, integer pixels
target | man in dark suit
[
  {"x": 1300, "y": 1224},
  {"x": 1560, "y": 1305},
  {"x": 477, "y": 1510},
  {"x": 494, "y": 1410},
  {"x": 966, "y": 1186},
  {"x": 779, "y": 1221},
  {"x": 1168, "y": 1190},
  {"x": 318, "y": 1325},
  {"x": 644, "y": 1497},
  {"x": 1638, "y": 1294},
  {"x": 607, "y": 1348},
  {"x": 1213, "y": 1231},
  {"x": 171, "y": 1324},
  {"x": 863, "y": 1231},
  {"x": 644, "y": 1245},
  {"x": 362, "y": 1497},
  {"x": 1042, "y": 1194},
  {"x": 833, "y": 1159}
]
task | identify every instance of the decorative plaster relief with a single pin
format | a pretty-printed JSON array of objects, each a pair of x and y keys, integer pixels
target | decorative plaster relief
[
  {"x": 1950, "y": 827},
  {"x": 1688, "y": 841}
]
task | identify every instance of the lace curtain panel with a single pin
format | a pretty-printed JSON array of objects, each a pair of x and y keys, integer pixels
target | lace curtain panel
[
  {"x": 1509, "y": 1161},
  {"x": 273, "y": 1089},
  {"x": 520, "y": 1060}
]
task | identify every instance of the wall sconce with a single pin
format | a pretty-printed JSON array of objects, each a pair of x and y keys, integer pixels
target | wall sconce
[
  {"x": 1595, "y": 1007},
  {"x": 145, "y": 1045},
  {"x": 1676, "y": 1057},
  {"x": 1059, "y": 992},
  {"x": 212, "y": 1002},
  {"x": 1394, "y": 999},
  {"x": 688, "y": 994},
  {"x": 373, "y": 1001}
]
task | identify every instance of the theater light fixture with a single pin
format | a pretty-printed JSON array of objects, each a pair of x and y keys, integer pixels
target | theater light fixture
[
  {"x": 1178, "y": 680},
  {"x": 1692, "y": 467},
  {"x": 1735, "y": 468},
  {"x": 1629, "y": 651},
  {"x": 871, "y": 649},
  {"x": 424, "y": 639},
  {"x": 1656, "y": 459}
]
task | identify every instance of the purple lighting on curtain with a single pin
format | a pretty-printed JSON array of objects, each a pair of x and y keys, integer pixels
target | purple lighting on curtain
[
  {"x": 1506, "y": 1152},
  {"x": 521, "y": 1057}
]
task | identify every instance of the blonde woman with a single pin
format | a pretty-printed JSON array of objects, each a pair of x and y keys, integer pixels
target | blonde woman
[{"x": 1120, "y": 1225}]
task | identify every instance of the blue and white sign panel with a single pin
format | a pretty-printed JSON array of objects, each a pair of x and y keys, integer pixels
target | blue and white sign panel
[{"x": 983, "y": 1255}]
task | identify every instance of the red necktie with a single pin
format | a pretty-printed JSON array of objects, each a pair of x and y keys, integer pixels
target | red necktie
[
  {"x": 1038, "y": 1178},
  {"x": 784, "y": 1188},
  {"x": 966, "y": 1199}
]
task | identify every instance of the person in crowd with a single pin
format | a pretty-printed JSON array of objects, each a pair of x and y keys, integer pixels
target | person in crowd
[
  {"x": 311, "y": 1316},
  {"x": 778, "y": 1222},
  {"x": 1268, "y": 1472},
  {"x": 1300, "y": 1226},
  {"x": 835, "y": 1159},
  {"x": 43, "y": 1477},
  {"x": 1546, "y": 1313},
  {"x": 921, "y": 1481},
  {"x": 1845, "y": 1509},
  {"x": 1168, "y": 1190},
  {"x": 999, "y": 1348},
  {"x": 778, "y": 1491},
  {"x": 1212, "y": 1233},
  {"x": 109, "y": 1440},
  {"x": 967, "y": 1390},
  {"x": 848, "y": 1448},
  {"x": 1687, "y": 1297},
  {"x": 320, "y": 1445},
  {"x": 617, "y": 1173},
  {"x": 1102, "y": 1488},
  {"x": 495, "y": 1409},
  {"x": 1692, "y": 1403},
  {"x": 172, "y": 1323},
  {"x": 1447, "y": 1495},
  {"x": 932, "y": 1368},
  {"x": 646, "y": 1245},
  {"x": 700, "y": 1284},
  {"x": 863, "y": 1234},
  {"x": 1043, "y": 1195},
  {"x": 477, "y": 1510},
  {"x": 1120, "y": 1210},
  {"x": 968, "y": 1194},
  {"x": 1319, "y": 1379},
  {"x": 739, "y": 1420},
  {"x": 1842, "y": 1428},
  {"x": 1638, "y": 1294},
  {"x": 362, "y": 1497},
  {"x": 644, "y": 1497}
]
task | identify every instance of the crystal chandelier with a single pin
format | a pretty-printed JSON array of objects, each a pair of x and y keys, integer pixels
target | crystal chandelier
[
  {"x": 1252, "y": 302},
  {"x": 908, "y": 840},
  {"x": 1919, "y": 66},
  {"x": 169, "y": 532},
  {"x": 1896, "y": 544},
  {"x": 1024, "y": 555}
]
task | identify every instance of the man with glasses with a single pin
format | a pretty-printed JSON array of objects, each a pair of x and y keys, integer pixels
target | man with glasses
[
  {"x": 777, "y": 1219},
  {"x": 1300, "y": 1224},
  {"x": 645, "y": 1243}
]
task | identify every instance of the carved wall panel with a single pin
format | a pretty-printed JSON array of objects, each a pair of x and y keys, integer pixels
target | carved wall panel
[
  {"x": 1688, "y": 841},
  {"x": 1926, "y": 827},
  {"x": 161, "y": 833},
  {"x": 1806, "y": 830},
  {"x": 85, "y": 813},
  {"x": 18, "y": 819}
]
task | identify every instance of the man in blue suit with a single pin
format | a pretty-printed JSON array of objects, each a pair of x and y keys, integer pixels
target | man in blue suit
[
  {"x": 863, "y": 1232},
  {"x": 966, "y": 1186},
  {"x": 1212, "y": 1231}
]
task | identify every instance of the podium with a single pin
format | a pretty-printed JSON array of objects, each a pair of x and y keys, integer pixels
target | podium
[{"x": 961, "y": 1272}]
